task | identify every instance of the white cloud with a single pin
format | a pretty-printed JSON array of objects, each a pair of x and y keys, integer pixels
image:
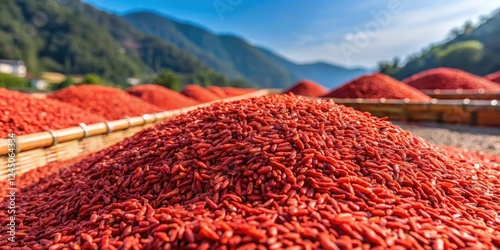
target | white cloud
[{"x": 408, "y": 32}]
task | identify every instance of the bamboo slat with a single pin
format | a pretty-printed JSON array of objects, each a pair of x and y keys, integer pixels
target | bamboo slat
[
  {"x": 471, "y": 112},
  {"x": 459, "y": 94}
]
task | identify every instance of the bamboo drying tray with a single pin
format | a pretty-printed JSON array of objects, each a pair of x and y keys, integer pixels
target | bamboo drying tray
[
  {"x": 470, "y": 112},
  {"x": 39, "y": 149},
  {"x": 460, "y": 94}
]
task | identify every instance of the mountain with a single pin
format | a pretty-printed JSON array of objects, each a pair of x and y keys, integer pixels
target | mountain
[
  {"x": 72, "y": 37},
  {"x": 75, "y": 38},
  {"x": 229, "y": 55},
  {"x": 234, "y": 57},
  {"x": 472, "y": 49},
  {"x": 329, "y": 75}
]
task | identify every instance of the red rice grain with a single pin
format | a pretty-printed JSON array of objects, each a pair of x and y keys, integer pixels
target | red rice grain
[
  {"x": 447, "y": 78},
  {"x": 217, "y": 91},
  {"x": 24, "y": 114},
  {"x": 231, "y": 91},
  {"x": 199, "y": 93},
  {"x": 494, "y": 77},
  {"x": 110, "y": 103},
  {"x": 307, "y": 88},
  {"x": 193, "y": 182},
  {"x": 376, "y": 86},
  {"x": 161, "y": 97}
]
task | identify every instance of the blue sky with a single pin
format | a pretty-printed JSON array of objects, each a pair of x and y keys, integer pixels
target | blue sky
[{"x": 339, "y": 32}]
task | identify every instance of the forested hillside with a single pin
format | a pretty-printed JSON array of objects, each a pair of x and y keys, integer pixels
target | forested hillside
[{"x": 472, "y": 48}]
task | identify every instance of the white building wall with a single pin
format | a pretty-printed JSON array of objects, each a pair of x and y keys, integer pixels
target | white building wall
[
  {"x": 19, "y": 70},
  {"x": 6, "y": 68}
]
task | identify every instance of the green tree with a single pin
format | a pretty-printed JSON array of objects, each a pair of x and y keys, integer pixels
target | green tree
[
  {"x": 92, "y": 79},
  {"x": 389, "y": 68},
  {"x": 167, "y": 78},
  {"x": 205, "y": 78},
  {"x": 66, "y": 83},
  {"x": 239, "y": 84},
  {"x": 463, "y": 55},
  {"x": 13, "y": 82}
]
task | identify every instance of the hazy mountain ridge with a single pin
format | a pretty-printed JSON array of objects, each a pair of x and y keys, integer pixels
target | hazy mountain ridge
[{"x": 234, "y": 56}]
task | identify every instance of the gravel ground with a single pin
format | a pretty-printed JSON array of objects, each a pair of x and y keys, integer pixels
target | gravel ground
[{"x": 482, "y": 139}]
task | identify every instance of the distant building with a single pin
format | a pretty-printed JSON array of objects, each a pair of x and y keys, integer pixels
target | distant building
[
  {"x": 13, "y": 67},
  {"x": 133, "y": 81}
]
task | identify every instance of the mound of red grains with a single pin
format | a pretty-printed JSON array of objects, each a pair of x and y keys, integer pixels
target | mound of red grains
[
  {"x": 199, "y": 93},
  {"x": 377, "y": 86},
  {"x": 217, "y": 91},
  {"x": 162, "y": 97},
  {"x": 494, "y": 77},
  {"x": 24, "y": 114},
  {"x": 231, "y": 91},
  {"x": 472, "y": 157},
  {"x": 307, "y": 88},
  {"x": 447, "y": 78},
  {"x": 110, "y": 103},
  {"x": 264, "y": 173}
]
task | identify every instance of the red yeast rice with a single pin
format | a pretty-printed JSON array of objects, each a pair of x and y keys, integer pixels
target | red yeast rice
[
  {"x": 108, "y": 102},
  {"x": 161, "y": 97},
  {"x": 377, "y": 86},
  {"x": 199, "y": 93},
  {"x": 231, "y": 91},
  {"x": 217, "y": 91},
  {"x": 287, "y": 172},
  {"x": 24, "y": 114},
  {"x": 447, "y": 78},
  {"x": 495, "y": 77},
  {"x": 307, "y": 88}
]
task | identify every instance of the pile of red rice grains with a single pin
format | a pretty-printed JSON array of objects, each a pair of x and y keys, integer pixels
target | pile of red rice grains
[
  {"x": 447, "y": 78},
  {"x": 199, "y": 93},
  {"x": 218, "y": 91},
  {"x": 270, "y": 172},
  {"x": 494, "y": 77},
  {"x": 307, "y": 88},
  {"x": 23, "y": 114},
  {"x": 231, "y": 91},
  {"x": 162, "y": 97},
  {"x": 377, "y": 86},
  {"x": 110, "y": 103}
]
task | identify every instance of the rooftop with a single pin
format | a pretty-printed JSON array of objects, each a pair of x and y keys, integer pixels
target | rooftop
[{"x": 12, "y": 62}]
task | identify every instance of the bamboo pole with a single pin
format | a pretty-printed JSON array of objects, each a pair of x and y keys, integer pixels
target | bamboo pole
[{"x": 479, "y": 94}]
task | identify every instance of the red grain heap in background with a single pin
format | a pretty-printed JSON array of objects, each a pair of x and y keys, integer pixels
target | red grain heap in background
[
  {"x": 24, "y": 114},
  {"x": 472, "y": 157},
  {"x": 162, "y": 97},
  {"x": 217, "y": 91},
  {"x": 231, "y": 91},
  {"x": 287, "y": 172},
  {"x": 199, "y": 93},
  {"x": 307, "y": 88},
  {"x": 447, "y": 78},
  {"x": 494, "y": 77},
  {"x": 377, "y": 86},
  {"x": 110, "y": 103}
]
